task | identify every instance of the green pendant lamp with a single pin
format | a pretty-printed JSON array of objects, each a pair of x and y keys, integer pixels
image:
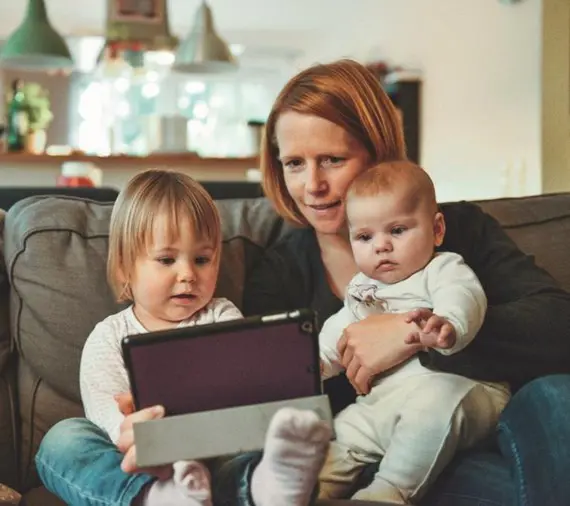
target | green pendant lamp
[
  {"x": 35, "y": 45},
  {"x": 203, "y": 50}
]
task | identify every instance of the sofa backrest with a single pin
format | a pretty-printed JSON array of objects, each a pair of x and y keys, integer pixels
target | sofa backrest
[{"x": 540, "y": 225}]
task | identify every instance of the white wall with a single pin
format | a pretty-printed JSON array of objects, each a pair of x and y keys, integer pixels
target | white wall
[{"x": 481, "y": 68}]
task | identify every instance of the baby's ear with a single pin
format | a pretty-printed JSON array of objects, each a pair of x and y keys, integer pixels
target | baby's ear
[{"x": 438, "y": 229}]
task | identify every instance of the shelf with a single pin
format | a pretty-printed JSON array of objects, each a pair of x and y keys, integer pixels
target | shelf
[{"x": 121, "y": 161}]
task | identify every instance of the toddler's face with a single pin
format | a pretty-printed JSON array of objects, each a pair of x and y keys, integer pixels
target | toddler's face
[
  {"x": 391, "y": 237},
  {"x": 173, "y": 279}
]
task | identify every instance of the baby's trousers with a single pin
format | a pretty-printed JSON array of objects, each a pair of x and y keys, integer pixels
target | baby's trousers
[{"x": 414, "y": 427}]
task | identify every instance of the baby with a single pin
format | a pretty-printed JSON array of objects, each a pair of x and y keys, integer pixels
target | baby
[
  {"x": 164, "y": 257},
  {"x": 414, "y": 419}
]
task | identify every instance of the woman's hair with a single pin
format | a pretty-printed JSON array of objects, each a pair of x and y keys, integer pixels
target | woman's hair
[
  {"x": 151, "y": 195},
  {"x": 405, "y": 177},
  {"x": 345, "y": 93}
]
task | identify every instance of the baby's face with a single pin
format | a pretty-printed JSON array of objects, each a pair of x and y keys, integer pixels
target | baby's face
[
  {"x": 391, "y": 237},
  {"x": 175, "y": 278}
]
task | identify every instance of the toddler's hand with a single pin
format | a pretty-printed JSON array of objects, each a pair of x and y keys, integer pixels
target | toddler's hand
[
  {"x": 125, "y": 403},
  {"x": 435, "y": 331},
  {"x": 126, "y": 442}
]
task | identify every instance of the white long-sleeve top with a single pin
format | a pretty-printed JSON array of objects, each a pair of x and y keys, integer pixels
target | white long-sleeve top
[
  {"x": 446, "y": 285},
  {"x": 102, "y": 371}
]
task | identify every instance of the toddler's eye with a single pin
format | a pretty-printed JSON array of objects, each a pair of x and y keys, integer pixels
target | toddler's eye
[
  {"x": 203, "y": 260},
  {"x": 165, "y": 260},
  {"x": 398, "y": 230}
]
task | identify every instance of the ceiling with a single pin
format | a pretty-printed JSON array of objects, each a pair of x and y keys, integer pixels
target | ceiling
[
  {"x": 266, "y": 30},
  {"x": 87, "y": 17}
]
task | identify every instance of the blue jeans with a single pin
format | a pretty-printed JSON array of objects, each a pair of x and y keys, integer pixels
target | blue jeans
[{"x": 77, "y": 461}]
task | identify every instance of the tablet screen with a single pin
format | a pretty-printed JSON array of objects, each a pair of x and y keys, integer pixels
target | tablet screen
[{"x": 208, "y": 367}]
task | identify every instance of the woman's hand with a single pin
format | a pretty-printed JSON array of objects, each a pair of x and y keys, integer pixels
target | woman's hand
[
  {"x": 374, "y": 345},
  {"x": 126, "y": 442}
]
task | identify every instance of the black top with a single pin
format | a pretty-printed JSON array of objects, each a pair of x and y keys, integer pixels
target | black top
[{"x": 526, "y": 332}]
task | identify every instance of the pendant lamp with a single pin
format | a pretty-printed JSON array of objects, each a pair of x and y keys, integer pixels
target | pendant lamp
[
  {"x": 204, "y": 51},
  {"x": 35, "y": 44},
  {"x": 147, "y": 28}
]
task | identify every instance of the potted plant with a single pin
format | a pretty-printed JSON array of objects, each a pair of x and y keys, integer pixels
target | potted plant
[{"x": 37, "y": 105}]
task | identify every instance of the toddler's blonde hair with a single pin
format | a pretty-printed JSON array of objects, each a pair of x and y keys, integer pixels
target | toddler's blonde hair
[{"x": 147, "y": 196}]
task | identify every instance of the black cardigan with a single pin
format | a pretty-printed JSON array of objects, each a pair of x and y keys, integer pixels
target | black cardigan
[{"x": 526, "y": 332}]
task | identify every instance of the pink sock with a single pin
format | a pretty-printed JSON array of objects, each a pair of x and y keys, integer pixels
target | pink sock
[{"x": 295, "y": 449}]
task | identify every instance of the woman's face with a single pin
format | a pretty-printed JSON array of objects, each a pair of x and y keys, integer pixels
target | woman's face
[{"x": 319, "y": 160}]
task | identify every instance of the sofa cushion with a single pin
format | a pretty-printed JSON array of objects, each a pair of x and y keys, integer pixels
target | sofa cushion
[
  {"x": 8, "y": 444},
  {"x": 8, "y": 466},
  {"x": 55, "y": 255},
  {"x": 5, "y": 342},
  {"x": 540, "y": 225},
  {"x": 40, "y": 407}
]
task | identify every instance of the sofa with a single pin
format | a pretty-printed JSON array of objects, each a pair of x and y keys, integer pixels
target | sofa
[{"x": 53, "y": 291}]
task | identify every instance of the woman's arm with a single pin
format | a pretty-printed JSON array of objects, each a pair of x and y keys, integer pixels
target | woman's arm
[{"x": 526, "y": 332}]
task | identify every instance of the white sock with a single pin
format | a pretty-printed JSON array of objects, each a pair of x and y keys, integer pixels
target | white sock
[
  {"x": 295, "y": 449},
  {"x": 189, "y": 486}
]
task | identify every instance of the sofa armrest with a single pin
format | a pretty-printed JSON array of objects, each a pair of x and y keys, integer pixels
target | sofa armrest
[{"x": 8, "y": 432}]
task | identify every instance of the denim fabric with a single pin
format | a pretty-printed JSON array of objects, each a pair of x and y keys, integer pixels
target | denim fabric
[
  {"x": 475, "y": 478},
  {"x": 77, "y": 461},
  {"x": 533, "y": 465},
  {"x": 231, "y": 479},
  {"x": 534, "y": 436}
]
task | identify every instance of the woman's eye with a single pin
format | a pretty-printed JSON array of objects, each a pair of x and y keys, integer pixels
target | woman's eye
[
  {"x": 165, "y": 260},
  {"x": 292, "y": 165},
  {"x": 333, "y": 160},
  {"x": 398, "y": 230},
  {"x": 203, "y": 260}
]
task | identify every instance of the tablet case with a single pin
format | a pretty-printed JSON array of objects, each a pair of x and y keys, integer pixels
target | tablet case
[{"x": 223, "y": 365}]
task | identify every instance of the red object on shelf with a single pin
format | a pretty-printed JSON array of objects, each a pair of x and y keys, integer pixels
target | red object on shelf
[
  {"x": 75, "y": 174},
  {"x": 74, "y": 181}
]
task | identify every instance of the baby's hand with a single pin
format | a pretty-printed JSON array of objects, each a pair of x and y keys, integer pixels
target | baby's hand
[{"x": 435, "y": 331}]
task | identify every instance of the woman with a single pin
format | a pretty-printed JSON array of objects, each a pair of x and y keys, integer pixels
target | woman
[{"x": 327, "y": 125}]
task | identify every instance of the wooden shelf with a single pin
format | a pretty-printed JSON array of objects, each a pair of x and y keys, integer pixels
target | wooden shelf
[{"x": 121, "y": 161}]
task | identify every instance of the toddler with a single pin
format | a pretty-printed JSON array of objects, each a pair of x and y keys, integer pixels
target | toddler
[
  {"x": 414, "y": 419},
  {"x": 164, "y": 256}
]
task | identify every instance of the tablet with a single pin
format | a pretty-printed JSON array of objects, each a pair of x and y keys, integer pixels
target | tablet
[{"x": 221, "y": 365}]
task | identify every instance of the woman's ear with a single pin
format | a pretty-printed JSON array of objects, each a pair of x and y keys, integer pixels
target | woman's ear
[{"x": 438, "y": 229}]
